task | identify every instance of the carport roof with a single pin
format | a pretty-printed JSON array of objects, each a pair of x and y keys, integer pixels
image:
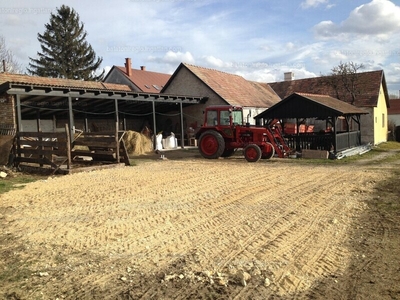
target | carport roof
[
  {"x": 49, "y": 95},
  {"x": 301, "y": 105}
]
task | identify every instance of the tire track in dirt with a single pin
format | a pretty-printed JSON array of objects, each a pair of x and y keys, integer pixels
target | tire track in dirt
[
  {"x": 266, "y": 219},
  {"x": 305, "y": 231}
]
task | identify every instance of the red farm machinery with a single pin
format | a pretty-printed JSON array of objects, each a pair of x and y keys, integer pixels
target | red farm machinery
[{"x": 223, "y": 132}]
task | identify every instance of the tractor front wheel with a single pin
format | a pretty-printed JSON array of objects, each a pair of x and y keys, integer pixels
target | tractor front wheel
[
  {"x": 252, "y": 153},
  {"x": 211, "y": 144}
]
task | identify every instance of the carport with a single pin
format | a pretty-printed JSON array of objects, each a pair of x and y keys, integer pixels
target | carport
[
  {"x": 68, "y": 103},
  {"x": 72, "y": 100},
  {"x": 301, "y": 106}
]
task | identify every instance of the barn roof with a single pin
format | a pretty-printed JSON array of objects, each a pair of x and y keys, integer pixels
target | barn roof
[
  {"x": 302, "y": 105},
  {"x": 234, "y": 89},
  {"x": 368, "y": 84}
]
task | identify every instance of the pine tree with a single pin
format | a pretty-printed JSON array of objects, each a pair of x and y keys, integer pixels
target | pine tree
[{"x": 65, "y": 52}]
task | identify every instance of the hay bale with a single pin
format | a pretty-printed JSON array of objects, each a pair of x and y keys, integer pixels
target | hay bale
[{"x": 137, "y": 143}]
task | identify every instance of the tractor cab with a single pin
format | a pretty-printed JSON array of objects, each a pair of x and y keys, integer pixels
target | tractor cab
[{"x": 223, "y": 115}]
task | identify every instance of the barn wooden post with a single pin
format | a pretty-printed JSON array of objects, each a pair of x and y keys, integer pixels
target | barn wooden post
[
  {"x": 349, "y": 145},
  {"x": 334, "y": 120},
  {"x": 297, "y": 136},
  {"x": 182, "y": 129}
]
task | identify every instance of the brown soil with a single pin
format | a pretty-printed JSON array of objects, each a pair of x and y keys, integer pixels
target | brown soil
[{"x": 189, "y": 228}]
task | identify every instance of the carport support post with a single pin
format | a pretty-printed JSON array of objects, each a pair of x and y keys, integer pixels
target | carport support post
[
  {"x": 182, "y": 129},
  {"x": 71, "y": 119},
  {"x": 38, "y": 121},
  {"x": 19, "y": 116},
  {"x": 86, "y": 124},
  {"x": 154, "y": 125},
  {"x": 116, "y": 115}
]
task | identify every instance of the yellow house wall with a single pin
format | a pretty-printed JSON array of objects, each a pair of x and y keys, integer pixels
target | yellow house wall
[{"x": 380, "y": 119}]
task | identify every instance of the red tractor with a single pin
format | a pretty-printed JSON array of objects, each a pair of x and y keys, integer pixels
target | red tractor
[{"x": 223, "y": 132}]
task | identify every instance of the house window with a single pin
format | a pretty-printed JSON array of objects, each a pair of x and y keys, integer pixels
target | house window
[{"x": 383, "y": 120}]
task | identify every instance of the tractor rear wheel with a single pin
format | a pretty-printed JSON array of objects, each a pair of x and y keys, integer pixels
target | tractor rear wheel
[
  {"x": 211, "y": 144},
  {"x": 252, "y": 153},
  {"x": 268, "y": 151}
]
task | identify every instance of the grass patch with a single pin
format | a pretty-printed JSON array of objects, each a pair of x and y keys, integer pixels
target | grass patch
[
  {"x": 393, "y": 148},
  {"x": 18, "y": 182},
  {"x": 388, "y": 146}
]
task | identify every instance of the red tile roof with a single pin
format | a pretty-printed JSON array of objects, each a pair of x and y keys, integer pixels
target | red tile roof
[
  {"x": 234, "y": 89},
  {"x": 61, "y": 83},
  {"x": 147, "y": 81},
  {"x": 394, "y": 108},
  {"x": 369, "y": 84}
]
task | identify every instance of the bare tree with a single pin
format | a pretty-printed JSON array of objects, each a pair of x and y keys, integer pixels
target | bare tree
[
  {"x": 7, "y": 59},
  {"x": 344, "y": 80}
]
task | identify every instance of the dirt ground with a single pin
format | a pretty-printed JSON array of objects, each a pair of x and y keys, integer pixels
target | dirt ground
[{"x": 189, "y": 228}]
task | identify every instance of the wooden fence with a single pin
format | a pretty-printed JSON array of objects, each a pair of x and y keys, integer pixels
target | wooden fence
[
  {"x": 43, "y": 149},
  {"x": 57, "y": 151},
  {"x": 101, "y": 146}
]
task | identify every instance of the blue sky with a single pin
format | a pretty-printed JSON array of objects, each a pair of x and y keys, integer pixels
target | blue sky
[{"x": 259, "y": 40}]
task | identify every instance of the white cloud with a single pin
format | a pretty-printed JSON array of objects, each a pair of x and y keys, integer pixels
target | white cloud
[
  {"x": 378, "y": 19},
  {"x": 214, "y": 62},
  {"x": 175, "y": 58},
  {"x": 313, "y": 3}
]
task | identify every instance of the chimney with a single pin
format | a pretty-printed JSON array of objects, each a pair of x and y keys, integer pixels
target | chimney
[
  {"x": 128, "y": 66},
  {"x": 288, "y": 76},
  {"x": 143, "y": 68}
]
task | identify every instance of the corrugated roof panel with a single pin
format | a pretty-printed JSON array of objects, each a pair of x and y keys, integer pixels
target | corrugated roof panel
[{"x": 61, "y": 83}]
